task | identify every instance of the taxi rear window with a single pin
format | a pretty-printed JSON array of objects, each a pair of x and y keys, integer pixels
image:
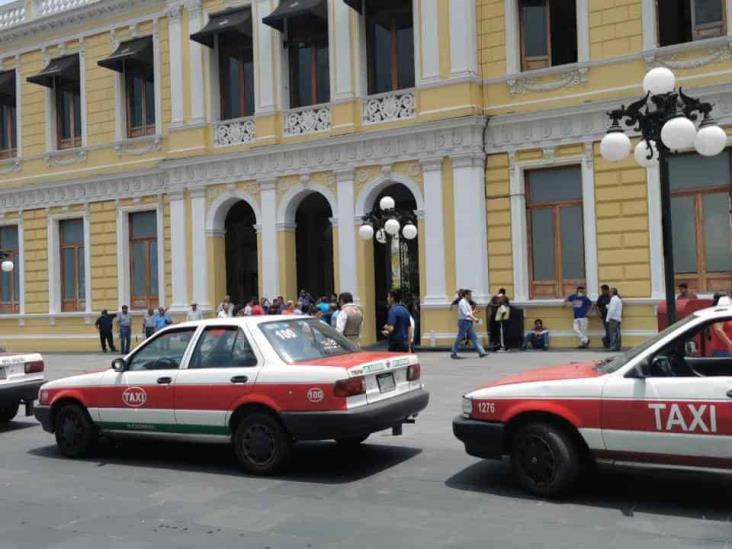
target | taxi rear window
[{"x": 298, "y": 340}]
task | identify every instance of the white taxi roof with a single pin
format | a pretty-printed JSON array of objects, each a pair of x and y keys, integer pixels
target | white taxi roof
[
  {"x": 714, "y": 312},
  {"x": 241, "y": 320}
]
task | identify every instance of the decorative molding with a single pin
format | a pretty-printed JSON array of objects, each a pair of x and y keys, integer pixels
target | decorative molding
[
  {"x": 138, "y": 146},
  {"x": 679, "y": 61},
  {"x": 306, "y": 120},
  {"x": 527, "y": 82},
  {"x": 65, "y": 157},
  {"x": 11, "y": 165},
  {"x": 386, "y": 107},
  {"x": 234, "y": 132}
]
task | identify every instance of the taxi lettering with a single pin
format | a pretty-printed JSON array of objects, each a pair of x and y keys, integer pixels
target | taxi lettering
[
  {"x": 697, "y": 418},
  {"x": 134, "y": 397}
]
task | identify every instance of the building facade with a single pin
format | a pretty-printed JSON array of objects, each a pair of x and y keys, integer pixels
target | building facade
[{"x": 162, "y": 152}]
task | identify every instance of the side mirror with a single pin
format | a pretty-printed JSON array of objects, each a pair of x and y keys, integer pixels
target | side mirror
[
  {"x": 690, "y": 349},
  {"x": 119, "y": 364},
  {"x": 642, "y": 370}
]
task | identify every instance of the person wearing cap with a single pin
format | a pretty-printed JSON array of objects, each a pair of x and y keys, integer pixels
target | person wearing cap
[
  {"x": 466, "y": 320},
  {"x": 195, "y": 313}
]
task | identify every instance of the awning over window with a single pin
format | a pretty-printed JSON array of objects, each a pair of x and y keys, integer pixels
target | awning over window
[
  {"x": 236, "y": 20},
  {"x": 355, "y": 4},
  {"x": 61, "y": 68},
  {"x": 7, "y": 86},
  {"x": 288, "y": 9},
  {"x": 139, "y": 49}
]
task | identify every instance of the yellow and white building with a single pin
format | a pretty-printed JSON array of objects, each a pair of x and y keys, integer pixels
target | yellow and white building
[{"x": 233, "y": 146}]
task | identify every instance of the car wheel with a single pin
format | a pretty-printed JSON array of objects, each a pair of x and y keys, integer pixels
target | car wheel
[
  {"x": 351, "y": 443},
  {"x": 545, "y": 460},
  {"x": 75, "y": 431},
  {"x": 261, "y": 444},
  {"x": 8, "y": 412}
]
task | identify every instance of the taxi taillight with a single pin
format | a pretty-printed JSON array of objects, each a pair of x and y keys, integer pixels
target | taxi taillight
[
  {"x": 34, "y": 367},
  {"x": 414, "y": 372},
  {"x": 350, "y": 387}
]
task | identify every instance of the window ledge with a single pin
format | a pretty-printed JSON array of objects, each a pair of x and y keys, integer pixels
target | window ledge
[
  {"x": 10, "y": 165},
  {"x": 64, "y": 157},
  {"x": 719, "y": 49},
  {"x": 137, "y": 146}
]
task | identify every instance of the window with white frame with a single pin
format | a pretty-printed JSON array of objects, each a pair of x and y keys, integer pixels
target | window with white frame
[
  {"x": 548, "y": 33},
  {"x": 682, "y": 21},
  {"x": 143, "y": 254},
  {"x": 72, "y": 264},
  {"x": 10, "y": 282},
  {"x": 389, "y": 45}
]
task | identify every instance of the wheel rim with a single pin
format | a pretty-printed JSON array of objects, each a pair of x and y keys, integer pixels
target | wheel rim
[
  {"x": 259, "y": 444},
  {"x": 70, "y": 429},
  {"x": 537, "y": 459}
]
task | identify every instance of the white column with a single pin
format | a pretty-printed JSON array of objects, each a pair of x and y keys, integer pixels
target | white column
[
  {"x": 650, "y": 28},
  {"x": 471, "y": 239},
  {"x": 434, "y": 230},
  {"x": 583, "y": 31},
  {"x": 264, "y": 75},
  {"x": 655, "y": 235},
  {"x": 199, "y": 248},
  {"x": 176, "y": 65},
  {"x": 198, "y": 105},
  {"x": 178, "y": 250},
  {"x": 348, "y": 277},
  {"x": 82, "y": 94},
  {"x": 430, "y": 43},
  {"x": 339, "y": 34},
  {"x": 463, "y": 39},
  {"x": 511, "y": 20},
  {"x": 589, "y": 222},
  {"x": 270, "y": 258},
  {"x": 519, "y": 241},
  {"x": 728, "y": 13}
]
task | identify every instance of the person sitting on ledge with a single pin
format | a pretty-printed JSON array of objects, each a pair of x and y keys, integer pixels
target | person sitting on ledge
[{"x": 538, "y": 337}]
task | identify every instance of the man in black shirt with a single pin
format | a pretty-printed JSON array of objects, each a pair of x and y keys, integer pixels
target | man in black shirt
[
  {"x": 104, "y": 324},
  {"x": 601, "y": 307}
]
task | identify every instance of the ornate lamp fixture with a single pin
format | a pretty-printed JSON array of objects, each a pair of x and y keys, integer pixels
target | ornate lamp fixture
[{"x": 386, "y": 221}]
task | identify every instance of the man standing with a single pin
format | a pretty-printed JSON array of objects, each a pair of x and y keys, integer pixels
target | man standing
[
  {"x": 226, "y": 307},
  {"x": 397, "y": 323},
  {"x": 614, "y": 319},
  {"x": 684, "y": 292},
  {"x": 195, "y": 313},
  {"x": 601, "y": 306},
  {"x": 581, "y": 305},
  {"x": 466, "y": 321},
  {"x": 104, "y": 324},
  {"x": 124, "y": 324},
  {"x": 162, "y": 319},
  {"x": 349, "y": 318},
  {"x": 148, "y": 323}
]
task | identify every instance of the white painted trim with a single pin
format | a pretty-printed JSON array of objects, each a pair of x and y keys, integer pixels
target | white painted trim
[
  {"x": 270, "y": 256},
  {"x": 347, "y": 261},
  {"x": 417, "y": 31},
  {"x": 513, "y": 36},
  {"x": 655, "y": 237},
  {"x": 18, "y": 109},
  {"x": 296, "y": 194},
  {"x": 49, "y": 115},
  {"x": 583, "y": 31},
  {"x": 265, "y": 69},
  {"x": 590, "y": 223},
  {"x": 157, "y": 73},
  {"x": 178, "y": 252},
  {"x": 649, "y": 21},
  {"x": 20, "y": 263},
  {"x": 54, "y": 260},
  {"x": 216, "y": 214},
  {"x": 366, "y": 198},
  {"x": 175, "y": 65},
  {"x": 120, "y": 109},
  {"x": 436, "y": 291},
  {"x": 339, "y": 31},
  {"x": 429, "y": 41},
  {"x": 196, "y": 54},
  {"x": 83, "y": 95},
  {"x": 362, "y": 80},
  {"x": 88, "y": 306},
  {"x": 519, "y": 232},
  {"x": 199, "y": 249},
  {"x": 463, "y": 39},
  {"x": 728, "y": 14}
]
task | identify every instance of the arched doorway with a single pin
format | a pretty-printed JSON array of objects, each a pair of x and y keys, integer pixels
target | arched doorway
[
  {"x": 314, "y": 245},
  {"x": 396, "y": 263},
  {"x": 242, "y": 270}
]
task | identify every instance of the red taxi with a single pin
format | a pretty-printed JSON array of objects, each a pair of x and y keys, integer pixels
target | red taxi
[
  {"x": 261, "y": 383},
  {"x": 664, "y": 404}
]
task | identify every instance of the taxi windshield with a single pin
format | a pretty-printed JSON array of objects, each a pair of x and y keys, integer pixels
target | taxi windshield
[
  {"x": 614, "y": 363},
  {"x": 302, "y": 339}
]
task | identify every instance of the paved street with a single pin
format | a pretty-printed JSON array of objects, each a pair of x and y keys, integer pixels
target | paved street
[{"x": 418, "y": 490}]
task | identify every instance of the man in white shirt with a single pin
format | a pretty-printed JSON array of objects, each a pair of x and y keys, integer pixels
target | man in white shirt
[
  {"x": 614, "y": 318},
  {"x": 466, "y": 320},
  {"x": 195, "y": 313}
]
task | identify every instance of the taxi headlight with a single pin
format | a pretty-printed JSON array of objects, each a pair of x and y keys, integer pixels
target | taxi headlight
[{"x": 467, "y": 406}]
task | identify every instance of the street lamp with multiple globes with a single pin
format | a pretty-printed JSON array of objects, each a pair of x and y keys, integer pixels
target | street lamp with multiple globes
[
  {"x": 386, "y": 221},
  {"x": 668, "y": 121}
]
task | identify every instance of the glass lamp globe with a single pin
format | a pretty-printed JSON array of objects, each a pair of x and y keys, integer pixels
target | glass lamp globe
[
  {"x": 615, "y": 146},
  {"x": 710, "y": 140},
  {"x": 392, "y": 227},
  {"x": 409, "y": 231},
  {"x": 678, "y": 133},
  {"x": 7, "y": 266},
  {"x": 387, "y": 203},
  {"x": 642, "y": 152},
  {"x": 366, "y": 232},
  {"x": 659, "y": 80}
]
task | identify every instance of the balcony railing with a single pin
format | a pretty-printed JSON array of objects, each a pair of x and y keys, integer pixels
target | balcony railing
[
  {"x": 22, "y": 11},
  {"x": 305, "y": 120},
  {"x": 385, "y": 107},
  {"x": 234, "y": 132}
]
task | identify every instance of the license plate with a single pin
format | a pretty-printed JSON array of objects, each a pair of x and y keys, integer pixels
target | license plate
[
  {"x": 386, "y": 382},
  {"x": 14, "y": 370}
]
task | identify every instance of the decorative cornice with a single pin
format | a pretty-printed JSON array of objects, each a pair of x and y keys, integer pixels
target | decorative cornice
[{"x": 525, "y": 83}]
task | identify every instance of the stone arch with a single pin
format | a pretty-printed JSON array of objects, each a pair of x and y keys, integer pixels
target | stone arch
[
  {"x": 367, "y": 196},
  {"x": 295, "y": 195},
  {"x": 219, "y": 208}
]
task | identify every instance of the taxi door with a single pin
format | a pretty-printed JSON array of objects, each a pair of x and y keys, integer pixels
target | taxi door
[
  {"x": 223, "y": 367},
  {"x": 680, "y": 414},
  {"x": 141, "y": 397}
]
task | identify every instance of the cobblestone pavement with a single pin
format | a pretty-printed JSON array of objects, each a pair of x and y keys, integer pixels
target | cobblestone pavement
[{"x": 418, "y": 490}]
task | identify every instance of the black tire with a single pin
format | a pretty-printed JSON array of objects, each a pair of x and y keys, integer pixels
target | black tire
[
  {"x": 75, "y": 431},
  {"x": 261, "y": 444},
  {"x": 8, "y": 412},
  {"x": 545, "y": 460},
  {"x": 351, "y": 443}
]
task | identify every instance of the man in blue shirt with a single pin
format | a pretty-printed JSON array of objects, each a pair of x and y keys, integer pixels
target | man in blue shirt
[
  {"x": 398, "y": 324},
  {"x": 581, "y": 306},
  {"x": 162, "y": 319}
]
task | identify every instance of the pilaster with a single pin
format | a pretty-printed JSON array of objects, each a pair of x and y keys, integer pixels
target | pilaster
[
  {"x": 179, "y": 250},
  {"x": 434, "y": 234},
  {"x": 199, "y": 248},
  {"x": 347, "y": 264},
  {"x": 270, "y": 256}
]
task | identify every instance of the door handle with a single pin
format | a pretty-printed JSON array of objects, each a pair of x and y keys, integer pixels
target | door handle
[
  {"x": 239, "y": 379},
  {"x": 729, "y": 393},
  {"x": 165, "y": 380}
]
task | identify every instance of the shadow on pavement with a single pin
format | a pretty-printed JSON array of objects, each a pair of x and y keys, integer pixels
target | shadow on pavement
[
  {"x": 313, "y": 462},
  {"x": 16, "y": 426},
  {"x": 682, "y": 494}
]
